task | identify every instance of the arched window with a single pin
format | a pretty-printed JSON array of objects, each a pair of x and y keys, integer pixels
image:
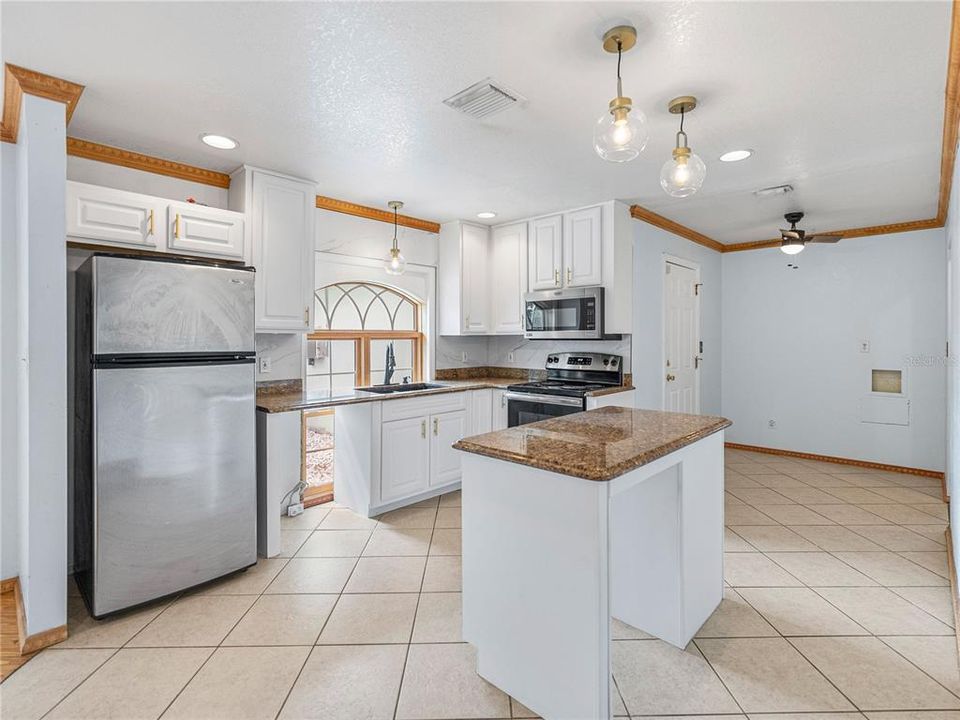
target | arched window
[{"x": 365, "y": 334}]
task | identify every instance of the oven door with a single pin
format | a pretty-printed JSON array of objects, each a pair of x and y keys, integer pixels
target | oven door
[
  {"x": 523, "y": 408},
  {"x": 564, "y": 314}
]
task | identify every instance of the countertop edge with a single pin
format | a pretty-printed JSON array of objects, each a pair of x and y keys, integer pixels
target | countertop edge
[{"x": 601, "y": 476}]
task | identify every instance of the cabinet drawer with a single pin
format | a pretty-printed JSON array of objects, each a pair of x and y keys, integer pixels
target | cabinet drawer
[
  {"x": 428, "y": 405},
  {"x": 201, "y": 230},
  {"x": 114, "y": 216}
]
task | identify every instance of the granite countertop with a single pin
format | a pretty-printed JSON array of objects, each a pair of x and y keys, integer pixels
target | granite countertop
[
  {"x": 287, "y": 397},
  {"x": 599, "y": 444}
]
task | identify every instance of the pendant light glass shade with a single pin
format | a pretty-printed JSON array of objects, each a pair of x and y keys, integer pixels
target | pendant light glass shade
[
  {"x": 621, "y": 134},
  {"x": 396, "y": 263},
  {"x": 683, "y": 174}
]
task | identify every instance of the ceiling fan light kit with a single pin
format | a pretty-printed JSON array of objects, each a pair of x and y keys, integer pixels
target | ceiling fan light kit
[
  {"x": 396, "y": 263},
  {"x": 620, "y": 134},
  {"x": 683, "y": 174}
]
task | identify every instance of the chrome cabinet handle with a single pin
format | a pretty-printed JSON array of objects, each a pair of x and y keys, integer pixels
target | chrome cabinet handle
[
  {"x": 436, "y": 424},
  {"x": 423, "y": 428}
]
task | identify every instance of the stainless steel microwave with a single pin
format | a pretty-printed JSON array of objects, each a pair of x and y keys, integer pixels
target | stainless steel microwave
[{"x": 569, "y": 314}]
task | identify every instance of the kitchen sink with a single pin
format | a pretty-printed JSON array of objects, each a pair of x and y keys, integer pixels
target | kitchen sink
[{"x": 406, "y": 387}]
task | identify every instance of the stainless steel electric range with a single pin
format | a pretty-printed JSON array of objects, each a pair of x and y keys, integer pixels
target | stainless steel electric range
[{"x": 570, "y": 378}]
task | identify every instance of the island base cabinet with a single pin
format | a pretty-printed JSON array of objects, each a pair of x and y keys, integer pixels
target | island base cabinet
[{"x": 645, "y": 547}]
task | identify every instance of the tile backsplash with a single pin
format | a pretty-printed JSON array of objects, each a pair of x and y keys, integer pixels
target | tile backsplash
[
  {"x": 285, "y": 351},
  {"x": 495, "y": 351}
]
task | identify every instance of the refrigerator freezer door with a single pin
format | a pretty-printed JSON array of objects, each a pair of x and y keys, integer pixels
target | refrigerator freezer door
[
  {"x": 146, "y": 306},
  {"x": 174, "y": 479}
]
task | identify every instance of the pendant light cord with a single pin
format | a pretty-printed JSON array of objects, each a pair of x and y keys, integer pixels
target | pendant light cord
[
  {"x": 619, "y": 57},
  {"x": 395, "y": 228},
  {"x": 681, "y": 132}
]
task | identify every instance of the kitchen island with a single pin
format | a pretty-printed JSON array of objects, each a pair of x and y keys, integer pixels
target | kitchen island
[{"x": 569, "y": 522}]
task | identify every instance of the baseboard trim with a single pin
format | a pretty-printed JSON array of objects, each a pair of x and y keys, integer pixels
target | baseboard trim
[
  {"x": 30, "y": 643},
  {"x": 839, "y": 460},
  {"x": 954, "y": 588}
]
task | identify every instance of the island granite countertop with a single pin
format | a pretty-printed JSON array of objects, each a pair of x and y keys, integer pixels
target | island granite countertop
[{"x": 599, "y": 444}]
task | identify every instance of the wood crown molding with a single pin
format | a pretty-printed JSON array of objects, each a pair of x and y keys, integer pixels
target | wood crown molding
[
  {"x": 839, "y": 460},
  {"x": 349, "y": 208},
  {"x": 147, "y": 163},
  {"x": 17, "y": 81},
  {"x": 641, "y": 213},
  {"x": 951, "y": 117}
]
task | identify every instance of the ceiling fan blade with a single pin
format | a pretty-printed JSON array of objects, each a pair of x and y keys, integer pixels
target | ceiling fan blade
[{"x": 825, "y": 238}]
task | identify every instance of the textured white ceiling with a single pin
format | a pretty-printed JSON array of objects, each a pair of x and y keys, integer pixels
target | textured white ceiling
[{"x": 844, "y": 100}]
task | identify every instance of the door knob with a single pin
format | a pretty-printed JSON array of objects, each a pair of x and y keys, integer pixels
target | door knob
[{"x": 670, "y": 377}]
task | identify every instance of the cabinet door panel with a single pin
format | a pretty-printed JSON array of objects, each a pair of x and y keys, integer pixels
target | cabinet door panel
[
  {"x": 545, "y": 252},
  {"x": 114, "y": 216},
  {"x": 282, "y": 251},
  {"x": 447, "y": 428},
  {"x": 508, "y": 252},
  {"x": 582, "y": 248},
  {"x": 474, "y": 269},
  {"x": 202, "y": 230},
  {"x": 405, "y": 457}
]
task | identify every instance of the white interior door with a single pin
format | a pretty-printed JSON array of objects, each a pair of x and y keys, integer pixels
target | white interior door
[{"x": 681, "y": 386}]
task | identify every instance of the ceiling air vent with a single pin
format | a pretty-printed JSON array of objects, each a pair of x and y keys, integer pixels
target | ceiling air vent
[{"x": 483, "y": 99}]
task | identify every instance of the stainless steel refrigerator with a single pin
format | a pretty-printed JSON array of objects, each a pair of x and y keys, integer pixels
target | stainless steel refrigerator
[{"x": 165, "y": 458}]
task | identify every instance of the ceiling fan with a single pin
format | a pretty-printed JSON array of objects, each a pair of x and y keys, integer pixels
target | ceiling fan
[{"x": 793, "y": 240}]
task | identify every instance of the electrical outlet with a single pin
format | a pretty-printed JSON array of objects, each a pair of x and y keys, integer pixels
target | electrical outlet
[
  {"x": 294, "y": 509},
  {"x": 864, "y": 346},
  {"x": 772, "y": 424},
  {"x": 265, "y": 364}
]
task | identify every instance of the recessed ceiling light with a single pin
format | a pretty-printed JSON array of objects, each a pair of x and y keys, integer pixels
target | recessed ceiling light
[
  {"x": 220, "y": 142},
  {"x": 486, "y": 215},
  {"x": 736, "y": 155}
]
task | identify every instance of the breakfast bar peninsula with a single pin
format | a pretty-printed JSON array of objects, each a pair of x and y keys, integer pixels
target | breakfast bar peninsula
[{"x": 572, "y": 521}]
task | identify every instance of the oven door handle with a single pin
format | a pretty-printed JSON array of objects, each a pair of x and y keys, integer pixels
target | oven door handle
[{"x": 545, "y": 399}]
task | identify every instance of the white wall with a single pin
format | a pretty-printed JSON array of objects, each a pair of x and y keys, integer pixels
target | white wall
[
  {"x": 122, "y": 178},
  {"x": 791, "y": 346},
  {"x": 651, "y": 245},
  {"x": 9, "y": 521}
]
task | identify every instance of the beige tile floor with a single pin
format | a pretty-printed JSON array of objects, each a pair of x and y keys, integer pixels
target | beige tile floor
[{"x": 837, "y": 605}]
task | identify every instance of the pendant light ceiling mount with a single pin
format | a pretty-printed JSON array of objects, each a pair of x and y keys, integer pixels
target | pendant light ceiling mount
[
  {"x": 682, "y": 104},
  {"x": 619, "y": 136}
]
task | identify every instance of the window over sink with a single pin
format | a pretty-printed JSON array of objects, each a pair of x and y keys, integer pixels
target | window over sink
[{"x": 365, "y": 334}]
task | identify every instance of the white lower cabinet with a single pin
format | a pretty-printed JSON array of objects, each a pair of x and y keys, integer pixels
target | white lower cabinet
[
  {"x": 405, "y": 457},
  {"x": 444, "y": 460}
]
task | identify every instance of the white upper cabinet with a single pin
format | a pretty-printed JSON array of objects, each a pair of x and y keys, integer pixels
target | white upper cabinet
[
  {"x": 115, "y": 217},
  {"x": 280, "y": 214},
  {"x": 583, "y": 247},
  {"x": 200, "y": 230},
  {"x": 508, "y": 260},
  {"x": 463, "y": 278},
  {"x": 546, "y": 252}
]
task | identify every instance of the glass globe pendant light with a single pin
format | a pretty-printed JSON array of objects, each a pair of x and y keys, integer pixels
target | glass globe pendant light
[
  {"x": 683, "y": 174},
  {"x": 620, "y": 136},
  {"x": 396, "y": 263}
]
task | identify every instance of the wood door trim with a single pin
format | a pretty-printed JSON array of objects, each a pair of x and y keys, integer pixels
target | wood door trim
[
  {"x": 147, "y": 163},
  {"x": 19, "y": 80},
  {"x": 936, "y": 474},
  {"x": 349, "y": 208}
]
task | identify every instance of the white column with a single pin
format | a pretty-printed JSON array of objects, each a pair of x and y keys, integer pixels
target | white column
[{"x": 41, "y": 356}]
